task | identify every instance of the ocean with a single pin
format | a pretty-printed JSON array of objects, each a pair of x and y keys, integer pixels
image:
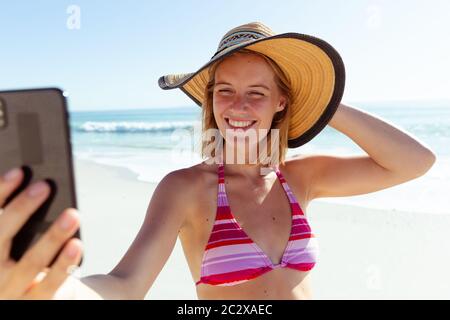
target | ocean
[{"x": 154, "y": 142}]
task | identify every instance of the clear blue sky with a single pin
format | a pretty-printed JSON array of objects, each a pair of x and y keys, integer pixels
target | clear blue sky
[{"x": 393, "y": 50}]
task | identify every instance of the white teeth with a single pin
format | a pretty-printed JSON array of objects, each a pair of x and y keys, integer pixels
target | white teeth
[{"x": 240, "y": 124}]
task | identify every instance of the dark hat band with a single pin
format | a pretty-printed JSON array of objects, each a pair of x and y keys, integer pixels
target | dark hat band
[{"x": 237, "y": 38}]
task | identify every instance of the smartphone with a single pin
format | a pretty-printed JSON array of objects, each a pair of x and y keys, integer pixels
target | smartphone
[{"x": 35, "y": 135}]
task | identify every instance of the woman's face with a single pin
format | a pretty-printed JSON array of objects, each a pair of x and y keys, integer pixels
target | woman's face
[{"x": 245, "y": 94}]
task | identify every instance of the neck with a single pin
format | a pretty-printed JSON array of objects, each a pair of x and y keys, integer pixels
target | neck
[{"x": 241, "y": 164}]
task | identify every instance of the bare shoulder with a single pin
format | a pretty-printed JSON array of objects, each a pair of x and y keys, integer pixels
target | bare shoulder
[
  {"x": 299, "y": 164},
  {"x": 186, "y": 187},
  {"x": 177, "y": 185},
  {"x": 299, "y": 172},
  {"x": 189, "y": 180}
]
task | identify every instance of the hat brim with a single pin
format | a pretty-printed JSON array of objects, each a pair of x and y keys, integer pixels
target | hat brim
[{"x": 313, "y": 67}]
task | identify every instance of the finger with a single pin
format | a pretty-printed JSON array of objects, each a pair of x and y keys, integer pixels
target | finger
[
  {"x": 38, "y": 279},
  {"x": 42, "y": 252},
  {"x": 19, "y": 210},
  {"x": 8, "y": 183},
  {"x": 58, "y": 274},
  {"x": 7, "y": 291},
  {"x": 5, "y": 252}
]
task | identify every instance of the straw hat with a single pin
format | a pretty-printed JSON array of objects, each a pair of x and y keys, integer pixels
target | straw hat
[{"x": 313, "y": 67}]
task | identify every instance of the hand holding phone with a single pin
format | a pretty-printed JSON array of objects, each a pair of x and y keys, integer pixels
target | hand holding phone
[{"x": 29, "y": 278}]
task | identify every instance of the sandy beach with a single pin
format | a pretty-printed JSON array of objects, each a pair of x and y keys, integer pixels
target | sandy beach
[{"x": 364, "y": 253}]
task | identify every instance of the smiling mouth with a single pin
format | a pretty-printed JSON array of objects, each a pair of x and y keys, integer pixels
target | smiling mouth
[{"x": 240, "y": 124}]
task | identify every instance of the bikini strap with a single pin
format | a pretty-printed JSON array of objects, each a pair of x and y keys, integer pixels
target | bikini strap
[
  {"x": 285, "y": 186},
  {"x": 220, "y": 172},
  {"x": 221, "y": 194}
]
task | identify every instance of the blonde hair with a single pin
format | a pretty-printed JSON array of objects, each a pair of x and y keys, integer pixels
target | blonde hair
[{"x": 280, "y": 120}]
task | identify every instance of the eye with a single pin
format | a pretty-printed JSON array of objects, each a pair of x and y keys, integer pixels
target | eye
[
  {"x": 256, "y": 93},
  {"x": 225, "y": 91}
]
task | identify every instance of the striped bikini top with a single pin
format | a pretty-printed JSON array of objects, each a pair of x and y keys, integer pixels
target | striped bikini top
[{"x": 231, "y": 257}]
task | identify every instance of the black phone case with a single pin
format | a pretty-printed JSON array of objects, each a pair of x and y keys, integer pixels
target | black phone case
[{"x": 35, "y": 135}]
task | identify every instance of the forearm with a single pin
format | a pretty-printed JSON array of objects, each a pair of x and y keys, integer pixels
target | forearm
[
  {"x": 94, "y": 287},
  {"x": 102, "y": 286},
  {"x": 389, "y": 146}
]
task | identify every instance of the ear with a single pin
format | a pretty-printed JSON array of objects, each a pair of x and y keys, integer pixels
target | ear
[{"x": 281, "y": 104}]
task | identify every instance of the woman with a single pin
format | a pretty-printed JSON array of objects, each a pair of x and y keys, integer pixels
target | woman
[{"x": 246, "y": 234}]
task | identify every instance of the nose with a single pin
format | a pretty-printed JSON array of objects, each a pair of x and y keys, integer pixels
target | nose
[{"x": 239, "y": 103}]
